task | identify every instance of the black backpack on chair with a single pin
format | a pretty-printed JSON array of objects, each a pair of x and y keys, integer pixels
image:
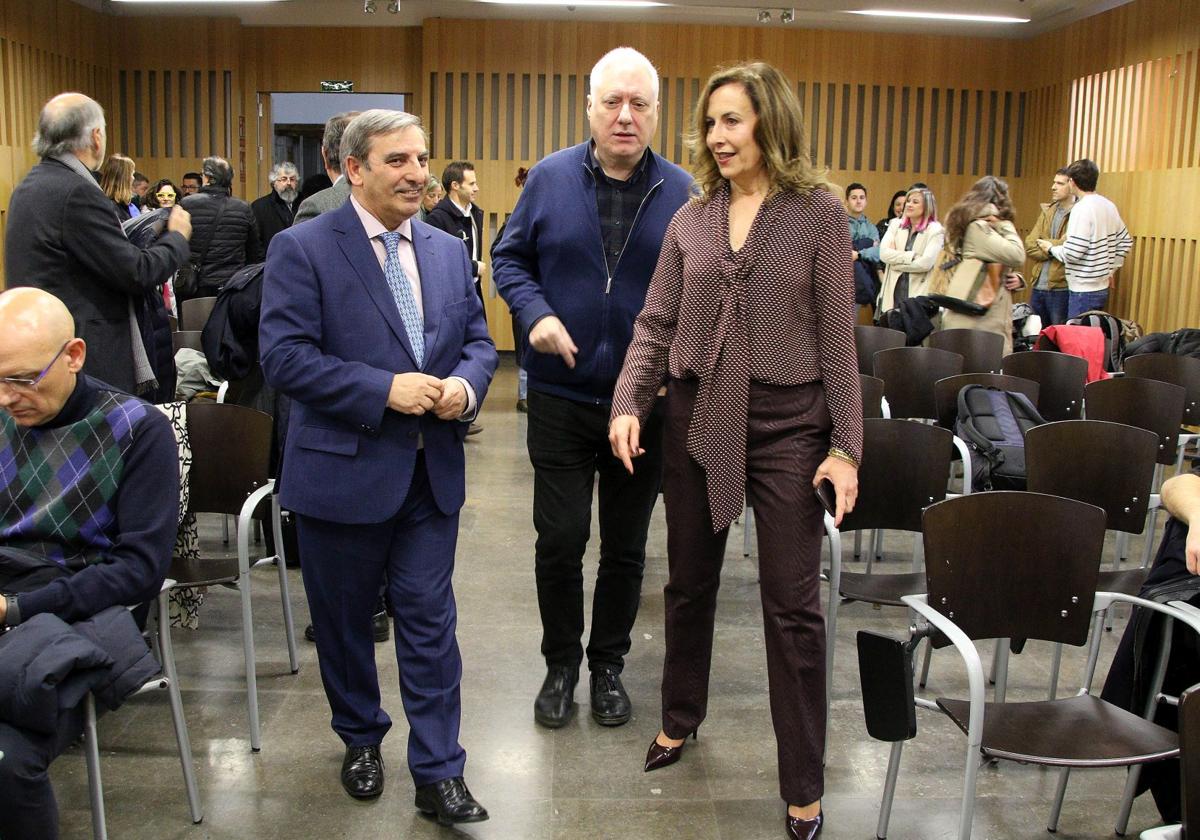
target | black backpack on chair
[{"x": 993, "y": 423}]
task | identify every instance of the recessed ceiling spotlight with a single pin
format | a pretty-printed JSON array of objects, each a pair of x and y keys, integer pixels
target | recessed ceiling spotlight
[
  {"x": 394, "y": 7},
  {"x": 787, "y": 15},
  {"x": 368, "y": 7},
  {"x": 764, "y": 16}
]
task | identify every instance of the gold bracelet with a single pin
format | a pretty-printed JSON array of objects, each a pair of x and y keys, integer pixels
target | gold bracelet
[{"x": 843, "y": 455}]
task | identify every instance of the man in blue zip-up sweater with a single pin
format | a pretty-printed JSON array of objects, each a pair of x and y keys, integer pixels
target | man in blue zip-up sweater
[{"x": 573, "y": 265}]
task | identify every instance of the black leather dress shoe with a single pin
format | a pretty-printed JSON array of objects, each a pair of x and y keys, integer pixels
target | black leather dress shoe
[
  {"x": 555, "y": 703},
  {"x": 798, "y": 829},
  {"x": 362, "y": 772},
  {"x": 610, "y": 703},
  {"x": 380, "y": 625},
  {"x": 450, "y": 802}
]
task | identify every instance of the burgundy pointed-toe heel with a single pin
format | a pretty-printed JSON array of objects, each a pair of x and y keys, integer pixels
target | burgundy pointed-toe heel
[
  {"x": 801, "y": 829},
  {"x": 659, "y": 756}
]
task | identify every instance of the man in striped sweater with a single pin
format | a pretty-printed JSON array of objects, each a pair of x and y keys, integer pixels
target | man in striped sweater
[{"x": 1096, "y": 245}]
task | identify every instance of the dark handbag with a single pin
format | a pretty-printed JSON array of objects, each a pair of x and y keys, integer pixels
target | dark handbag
[{"x": 187, "y": 279}]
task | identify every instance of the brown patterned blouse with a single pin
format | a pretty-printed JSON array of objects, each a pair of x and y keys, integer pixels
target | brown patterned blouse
[{"x": 780, "y": 310}]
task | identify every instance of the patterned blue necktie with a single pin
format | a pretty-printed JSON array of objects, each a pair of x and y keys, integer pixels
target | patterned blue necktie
[{"x": 402, "y": 291}]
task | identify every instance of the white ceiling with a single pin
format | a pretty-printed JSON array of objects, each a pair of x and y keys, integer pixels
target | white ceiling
[{"x": 1045, "y": 15}]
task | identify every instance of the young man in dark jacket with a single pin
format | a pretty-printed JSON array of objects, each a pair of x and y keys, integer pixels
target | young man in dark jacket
[
  {"x": 574, "y": 266},
  {"x": 89, "y": 505}
]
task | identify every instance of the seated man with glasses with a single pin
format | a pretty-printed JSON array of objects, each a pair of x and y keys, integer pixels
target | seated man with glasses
[{"x": 89, "y": 501}]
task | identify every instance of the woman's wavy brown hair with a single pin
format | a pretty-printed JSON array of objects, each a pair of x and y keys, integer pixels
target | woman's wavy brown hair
[
  {"x": 780, "y": 132},
  {"x": 116, "y": 179},
  {"x": 987, "y": 190}
]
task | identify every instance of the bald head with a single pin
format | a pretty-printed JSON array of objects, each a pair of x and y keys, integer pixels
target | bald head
[
  {"x": 71, "y": 123},
  {"x": 33, "y": 317}
]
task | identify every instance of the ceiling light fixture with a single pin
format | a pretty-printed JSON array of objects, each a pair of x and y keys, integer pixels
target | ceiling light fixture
[
  {"x": 787, "y": 15},
  {"x": 368, "y": 7},
  {"x": 193, "y": 2},
  {"x": 394, "y": 7},
  {"x": 940, "y": 16},
  {"x": 764, "y": 16},
  {"x": 613, "y": 4}
]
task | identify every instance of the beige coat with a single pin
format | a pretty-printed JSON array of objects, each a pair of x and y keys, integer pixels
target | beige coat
[
  {"x": 916, "y": 263},
  {"x": 986, "y": 243},
  {"x": 1038, "y": 256}
]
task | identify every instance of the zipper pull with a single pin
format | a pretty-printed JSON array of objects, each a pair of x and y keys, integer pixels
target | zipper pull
[{"x": 608, "y": 285}]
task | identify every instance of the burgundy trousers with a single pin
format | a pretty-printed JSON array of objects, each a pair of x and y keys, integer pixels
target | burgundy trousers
[{"x": 787, "y": 438}]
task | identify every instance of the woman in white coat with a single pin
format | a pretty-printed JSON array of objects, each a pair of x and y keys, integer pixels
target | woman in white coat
[{"x": 909, "y": 250}]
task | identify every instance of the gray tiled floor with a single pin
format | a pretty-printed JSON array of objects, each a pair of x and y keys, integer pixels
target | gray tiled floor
[{"x": 583, "y": 781}]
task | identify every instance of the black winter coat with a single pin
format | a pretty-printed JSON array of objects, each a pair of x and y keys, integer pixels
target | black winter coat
[
  {"x": 234, "y": 244},
  {"x": 446, "y": 216}
]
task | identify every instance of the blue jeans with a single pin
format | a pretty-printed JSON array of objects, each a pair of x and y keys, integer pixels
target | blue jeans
[
  {"x": 1050, "y": 305},
  {"x": 1081, "y": 302}
]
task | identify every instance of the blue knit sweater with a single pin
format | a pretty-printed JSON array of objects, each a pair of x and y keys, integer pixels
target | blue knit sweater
[{"x": 551, "y": 262}]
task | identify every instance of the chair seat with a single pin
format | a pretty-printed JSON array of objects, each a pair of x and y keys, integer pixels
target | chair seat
[
  {"x": 885, "y": 589},
  {"x": 204, "y": 571},
  {"x": 1125, "y": 581},
  {"x": 1080, "y": 731}
]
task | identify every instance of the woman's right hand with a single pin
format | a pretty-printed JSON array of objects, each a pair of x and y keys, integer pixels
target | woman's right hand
[{"x": 623, "y": 434}]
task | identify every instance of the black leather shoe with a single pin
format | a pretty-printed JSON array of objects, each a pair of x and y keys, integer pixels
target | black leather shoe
[
  {"x": 449, "y": 802},
  {"x": 380, "y": 625},
  {"x": 362, "y": 772},
  {"x": 555, "y": 703},
  {"x": 610, "y": 703},
  {"x": 798, "y": 829}
]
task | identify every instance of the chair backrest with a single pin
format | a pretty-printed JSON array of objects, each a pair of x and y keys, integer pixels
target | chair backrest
[
  {"x": 1060, "y": 377},
  {"x": 908, "y": 374},
  {"x": 1189, "y": 759},
  {"x": 1183, "y": 371},
  {"x": 187, "y": 338},
  {"x": 945, "y": 392},
  {"x": 1145, "y": 403},
  {"x": 903, "y": 471},
  {"x": 193, "y": 313},
  {"x": 872, "y": 396},
  {"x": 1014, "y": 564},
  {"x": 1109, "y": 465},
  {"x": 982, "y": 351},
  {"x": 231, "y": 445},
  {"x": 868, "y": 340}
]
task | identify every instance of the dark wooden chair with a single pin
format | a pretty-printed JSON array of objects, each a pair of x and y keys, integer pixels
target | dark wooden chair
[
  {"x": 1148, "y": 404},
  {"x": 868, "y": 340},
  {"x": 1060, "y": 378},
  {"x": 1061, "y": 460},
  {"x": 1189, "y": 772},
  {"x": 908, "y": 374},
  {"x": 193, "y": 313},
  {"x": 891, "y": 449},
  {"x": 187, "y": 338},
  {"x": 986, "y": 579},
  {"x": 230, "y": 448},
  {"x": 945, "y": 392},
  {"x": 982, "y": 352},
  {"x": 872, "y": 396},
  {"x": 1183, "y": 371}
]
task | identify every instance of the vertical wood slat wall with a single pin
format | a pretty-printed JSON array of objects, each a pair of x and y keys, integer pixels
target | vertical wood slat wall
[{"x": 1121, "y": 87}]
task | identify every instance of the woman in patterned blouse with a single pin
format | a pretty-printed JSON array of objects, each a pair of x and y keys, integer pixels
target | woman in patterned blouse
[{"x": 749, "y": 320}]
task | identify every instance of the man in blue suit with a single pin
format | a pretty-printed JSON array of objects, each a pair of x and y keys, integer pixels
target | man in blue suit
[{"x": 371, "y": 324}]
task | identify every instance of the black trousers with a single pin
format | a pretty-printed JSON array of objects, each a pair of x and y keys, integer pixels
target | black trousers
[
  {"x": 787, "y": 439},
  {"x": 568, "y": 446},
  {"x": 28, "y": 810}
]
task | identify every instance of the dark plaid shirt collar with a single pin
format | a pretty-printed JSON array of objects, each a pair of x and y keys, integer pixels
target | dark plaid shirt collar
[{"x": 617, "y": 204}]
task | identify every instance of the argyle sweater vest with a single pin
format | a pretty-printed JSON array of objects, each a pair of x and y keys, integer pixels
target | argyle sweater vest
[{"x": 57, "y": 485}]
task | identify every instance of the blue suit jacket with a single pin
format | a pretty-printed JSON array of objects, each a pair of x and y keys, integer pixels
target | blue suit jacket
[{"x": 331, "y": 338}]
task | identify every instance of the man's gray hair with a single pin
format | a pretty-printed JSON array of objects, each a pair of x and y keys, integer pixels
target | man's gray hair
[
  {"x": 65, "y": 129},
  {"x": 218, "y": 171},
  {"x": 331, "y": 140},
  {"x": 356, "y": 142},
  {"x": 285, "y": 167},
  {"x": 623, "y": 56}
]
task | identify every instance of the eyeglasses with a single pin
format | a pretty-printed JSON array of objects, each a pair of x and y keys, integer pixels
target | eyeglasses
[{"x": 17, "y": 383}]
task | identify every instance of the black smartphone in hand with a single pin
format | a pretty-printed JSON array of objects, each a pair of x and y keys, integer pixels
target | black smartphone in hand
[{"x": 827, "y": 496}]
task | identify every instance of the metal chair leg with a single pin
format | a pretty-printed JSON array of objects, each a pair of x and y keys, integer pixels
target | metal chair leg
[
  {"x": 1000, "y": 670},
  {"x": 1131, "y": 783},
  {"x": 925, "y": 665},
  {"x": 225, "y": 529},
  {"x": 747, "y": 527},
  {"x": 1064, "y": 776},
  {"x": 857, "y": 544},
  {"x": 889, "y": 790},
  {"x": 289, "y": 628},
  {"x": 243, "y": 585},
  {"x": 167, "y": 657},
  {"x": 1055, "y": 665},
  {"x": 91, "y": 747}
]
